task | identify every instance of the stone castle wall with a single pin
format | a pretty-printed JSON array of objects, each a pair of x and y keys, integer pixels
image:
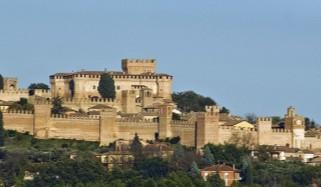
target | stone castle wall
[
  {"x": 106, "y": 128},
  {"x": 85, "y": 103},
  {"x": 74, "y": 128},
  {"x": 21, "y": 121},
  {"x": 185, "y": 130},
  {"x": 145, "y": 129},
  {"x": 14, "y": 95}
]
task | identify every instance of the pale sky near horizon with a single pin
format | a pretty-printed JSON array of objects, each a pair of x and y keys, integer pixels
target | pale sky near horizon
[{"x": 250, "y": 56}]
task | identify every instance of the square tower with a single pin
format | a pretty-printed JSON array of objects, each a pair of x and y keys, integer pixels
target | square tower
[
  {"x": 138, "y": 66},
  {"x": 10, "y": 83}
]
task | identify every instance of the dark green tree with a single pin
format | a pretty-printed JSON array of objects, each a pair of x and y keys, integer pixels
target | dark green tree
[
  {"x": 190, "y": 101},
  {"x": 216, "y": 181},
  {"x": 208, "y": 158},
  {"x": 309, "y": 124},
  {"x": 150, "y": 183},
  {"x": 42, "y": 86},
  {"x": 1, "y": 82},
  {"x": 137, "y": 148},
  {"x": 1, "y": 130},
  {"x": 195, "y": 171},
  {"x": 276, "y": 119},
  {"x": 106, "y": 86},
  {"x": 23, "y": 104},
  {"x": 248, "y": 170},
  {"x": 251, "y": 118},
  {"x": 224, "y": 110},
  {"x": 153, "y": 167},
  {"x": 32, "y": 87},
  {"x": 57, "y": 107}
]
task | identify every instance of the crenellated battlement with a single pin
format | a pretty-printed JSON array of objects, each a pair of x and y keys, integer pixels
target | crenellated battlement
[
  {"x": 87, "y": 100},
  {"x": 281, "y": 131},
  {"x": 60, "y": 116},
  {"x": 18, "y": 112},
  {"x": 231, "y": 128},
  {"x": 182, "y": 123},
  {"x": 139, "y": 60},
  {"x": 42, "y": 91},
  {"x": 226, "y": 127},
  {"x": 135, "y": 120},
  {"x": 42, "y": 102},
  {"x": 269, "y": 119},
  {"x": 18, "y": 91}
]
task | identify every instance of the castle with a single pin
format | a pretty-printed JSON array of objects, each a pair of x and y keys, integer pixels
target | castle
[{"x": 143, "y": 105}]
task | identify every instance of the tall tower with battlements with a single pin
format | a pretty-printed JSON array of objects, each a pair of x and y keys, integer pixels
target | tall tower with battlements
[
  {"x": 296, "y": 124},
  {"x": 207, "y": 127},
  {"x": 264, "y": 129}
]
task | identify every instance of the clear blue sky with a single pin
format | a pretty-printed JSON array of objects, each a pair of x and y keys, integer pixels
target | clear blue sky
[{"x": 249, "y": 55}]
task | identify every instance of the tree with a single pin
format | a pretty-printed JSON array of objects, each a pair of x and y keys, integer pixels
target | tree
[
  {"x": 32, "y": 87},
  {"x": 23, "y": 104},
  {"x": 276, "y": 119},
  {"x": 208, "y": 158},
  {"x": 35, "y": 86},
  {"x": 309, "y": 124},
  {"x": 248, "y": 170},
  {"x": 153, "y": 167},
  {"x": 190, "y": 101},
  {"x": 137, "y": 148},
  {"x": 1, "y": 82},
  {"x": 224, "y": 110},
  {"x": 57, "y": 107},
  {"x": 1, "y": 130},
  {"x": 195, "y": 171},
  {"x": 216, "y": 181},
  {"x": 150, "y": 183},
  {"x": 251, "y": 118},
  {"x": 106, "y": 86}
]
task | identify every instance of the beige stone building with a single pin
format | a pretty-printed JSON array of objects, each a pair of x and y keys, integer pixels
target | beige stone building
[{"x": 137, "y": 85}]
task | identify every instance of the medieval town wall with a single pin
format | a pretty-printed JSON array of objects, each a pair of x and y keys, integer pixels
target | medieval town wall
[
  {"x": 146, "y": 129},
  {"x": 185, "y": 130},
  {"x": 79, "y": 128},
  {"x": 281, "y": 137},
  {"x": 13, "y": 95},
  {"x": 228, "y": 134},
  {"x": 312, "y": 143},
  {"x": 21, "y": 121},
  {"x": 85, "y": 103}
]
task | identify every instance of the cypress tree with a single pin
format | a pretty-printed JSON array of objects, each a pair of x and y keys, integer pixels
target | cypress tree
[
  {"x": 208, "y": 158},
  {"x": 1, "y": 130},
  {"x": 106, "y": 86},
  {"x": 137, "y": 148},
  {"x": 1, "y": 82}
]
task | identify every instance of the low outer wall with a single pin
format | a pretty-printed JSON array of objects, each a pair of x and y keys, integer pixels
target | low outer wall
[
  {"x": 311, "y": 143},
  {"x": 79, "y": 129},
  {"x": 277, "y": 138},
  {"x": 185, "y": 132},
  {"x": 146, "y": 131},
  {"x": 19, "y": 122}
]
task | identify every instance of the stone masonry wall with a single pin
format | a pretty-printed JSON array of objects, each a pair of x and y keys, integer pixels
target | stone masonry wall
[{"x": 21, "y": 121}]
